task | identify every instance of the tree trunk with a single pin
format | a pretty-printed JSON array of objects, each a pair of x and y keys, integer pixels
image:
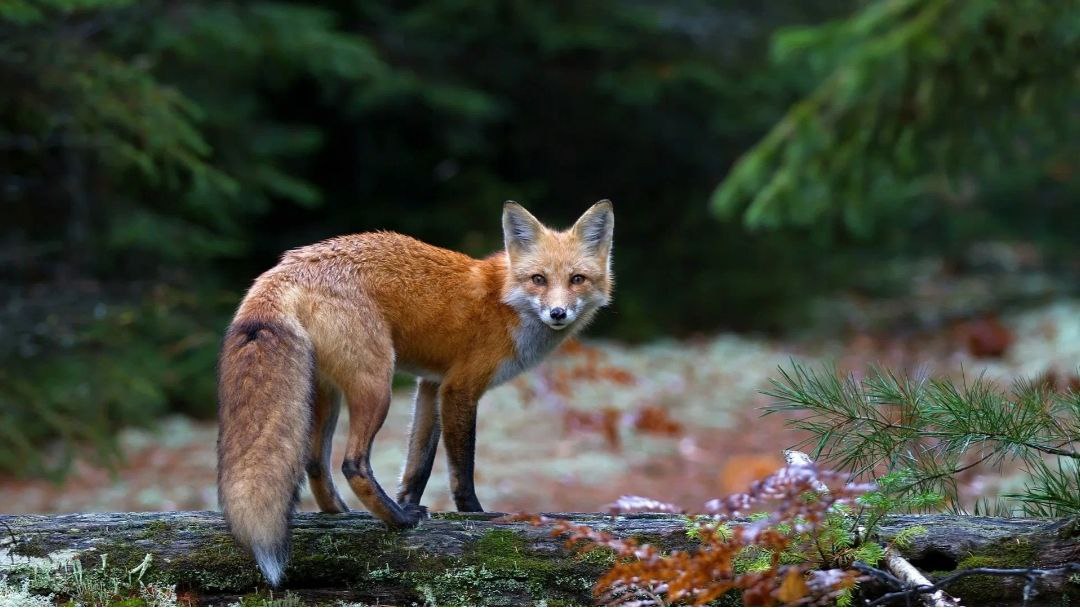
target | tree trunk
[{"x": 455, "y": 559}]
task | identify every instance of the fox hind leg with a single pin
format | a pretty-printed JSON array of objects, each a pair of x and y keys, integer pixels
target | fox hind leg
[
  {"x": 368, "y": 399},
  {"x": 326, "y": 406},
  {"x": 354, "y": 349}
]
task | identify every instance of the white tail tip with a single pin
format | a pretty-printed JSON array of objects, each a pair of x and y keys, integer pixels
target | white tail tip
[{"x": 271, "y": 563}]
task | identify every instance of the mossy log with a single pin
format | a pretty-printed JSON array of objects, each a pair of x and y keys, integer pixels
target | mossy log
[{"x": 462, "y": 559}]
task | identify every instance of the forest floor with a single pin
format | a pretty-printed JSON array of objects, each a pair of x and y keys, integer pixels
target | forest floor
[{"x": 673, "y": 420}]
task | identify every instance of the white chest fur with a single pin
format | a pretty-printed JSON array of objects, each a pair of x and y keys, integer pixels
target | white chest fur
[{"x": 533, "y": 340}]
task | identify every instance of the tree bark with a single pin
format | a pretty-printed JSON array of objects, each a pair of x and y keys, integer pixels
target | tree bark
[{"x": 462, "y": 559}]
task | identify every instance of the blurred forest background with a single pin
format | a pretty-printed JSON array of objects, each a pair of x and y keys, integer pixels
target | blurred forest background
[{"x": 881, "y": 178}]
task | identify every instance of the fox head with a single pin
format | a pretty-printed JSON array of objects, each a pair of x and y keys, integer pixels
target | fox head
[{"x": 561, "y": 277}]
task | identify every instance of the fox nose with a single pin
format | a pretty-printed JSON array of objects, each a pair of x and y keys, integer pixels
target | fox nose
[{"x": 558, "y": 314}]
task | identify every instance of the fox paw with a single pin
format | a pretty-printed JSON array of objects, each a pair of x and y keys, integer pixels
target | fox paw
[
  {"x": 414, "y": 513},
  {"x": 470, "y": 504}
]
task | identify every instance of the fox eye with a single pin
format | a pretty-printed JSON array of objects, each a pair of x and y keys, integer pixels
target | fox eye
[
  {"x": 538, "y": 279},
  {"x": 577, "y": 279}
]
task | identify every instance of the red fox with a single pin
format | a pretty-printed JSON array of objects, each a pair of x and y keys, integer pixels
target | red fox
[{"x": 335, "y": 319}]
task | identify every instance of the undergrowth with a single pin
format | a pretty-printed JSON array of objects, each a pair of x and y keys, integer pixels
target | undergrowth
[
  {"x": 796, "y": 551},
  {"x": 71, "y": 583},
  {"x": 19, "y": 596}
]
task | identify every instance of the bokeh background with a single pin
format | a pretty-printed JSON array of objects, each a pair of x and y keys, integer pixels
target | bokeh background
[{"x": 841, "y": 182}]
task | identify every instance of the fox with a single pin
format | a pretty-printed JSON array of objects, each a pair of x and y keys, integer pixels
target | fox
[{"x": 333, "y": 321}]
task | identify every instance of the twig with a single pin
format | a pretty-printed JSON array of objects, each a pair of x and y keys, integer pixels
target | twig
[
  {"x": 942, "y": 475},
  {"x": 881, "y": 575},
  {"x": 1031, "y": 574},
  {"x": 14, "y": 541},
  {"x": 912, "y": 577}
]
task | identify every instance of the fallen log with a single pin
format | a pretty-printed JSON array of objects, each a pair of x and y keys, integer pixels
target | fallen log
[{"x": 457, "y": 558}]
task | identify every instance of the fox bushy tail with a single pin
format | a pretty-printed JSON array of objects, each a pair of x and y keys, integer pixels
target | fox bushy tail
[{"x": 265, "y": 395}]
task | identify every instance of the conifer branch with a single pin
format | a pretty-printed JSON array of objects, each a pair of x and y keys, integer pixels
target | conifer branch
[{"x": 931, "y": 430}]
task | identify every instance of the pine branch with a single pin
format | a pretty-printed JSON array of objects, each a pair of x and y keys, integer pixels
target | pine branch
[{"x": 929, "y": 429}]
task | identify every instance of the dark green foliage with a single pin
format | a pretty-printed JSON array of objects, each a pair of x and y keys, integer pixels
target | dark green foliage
[
  {"x": 79, "y": 374},
  {"x": 150, "y": 144},
  {"x": 916, "y": 103},
  {"x": 165, "y": 149},
  {"x": 140, "y": 143},
  {"x": 186, "y": 145},
  {"x": 918, "y": 434}
]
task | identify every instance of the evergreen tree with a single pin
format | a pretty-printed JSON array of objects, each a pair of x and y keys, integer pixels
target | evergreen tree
[{"x": 915, "y": 103}]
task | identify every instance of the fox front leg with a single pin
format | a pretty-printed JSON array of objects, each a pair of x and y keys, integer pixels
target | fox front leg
[
  {"x": 423, "y": 442},
  {"x": 457, "y": 407}
]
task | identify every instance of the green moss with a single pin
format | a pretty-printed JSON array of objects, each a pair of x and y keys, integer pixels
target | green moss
[
  {"x": 499, "y": 543},
  {"x": 976, "y": 561},
  {"x": 114, "y": 558},
  {"x": 1070, "y": 529},
  {"x": 383, "y": 574},
  {"x": 661, "y": 542},
  {"x": 981, "y": 588},
  {"x": 218, "y": 565},
  {"x": 462, "y": 516},
  {"x": 505, "y": 561},
  {"x": 99, "y": 578},
  {"x": 105, "y": 576},
  {"x": 472, "y": 585},
  {"x": 693, "y": 527},
  {"x": 1011, "y": 553},
  {"x": 269, "y": 599},
  {"x": 503, "y": 568},
  {"x": 253, "y": 600},
  {"x": 731, "y": 599},
  {"x": 600, "y": 558},
  {"x": 990, "y": 589},
  {"x": 30, "y": 547},
  {"x": 505, "y": 551},
  {"x": 354, "y": 559},
  {"x": 159, "y": 531}
]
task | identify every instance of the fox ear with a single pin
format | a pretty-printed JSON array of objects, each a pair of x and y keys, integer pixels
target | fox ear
[
  {"x": 520, "y": 229},
  {"x": 596, "y": 226}
]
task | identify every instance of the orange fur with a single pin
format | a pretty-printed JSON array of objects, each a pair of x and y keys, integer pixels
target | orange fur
[{"x": 336, "y": 318}]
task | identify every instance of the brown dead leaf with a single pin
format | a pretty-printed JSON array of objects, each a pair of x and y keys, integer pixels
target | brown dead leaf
[
  {"x": 656, "y": 420},
  {"x": 605, "y": 422},
  {"x": 984, "y": 336},
  {"x": 793, "y": 588}
]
